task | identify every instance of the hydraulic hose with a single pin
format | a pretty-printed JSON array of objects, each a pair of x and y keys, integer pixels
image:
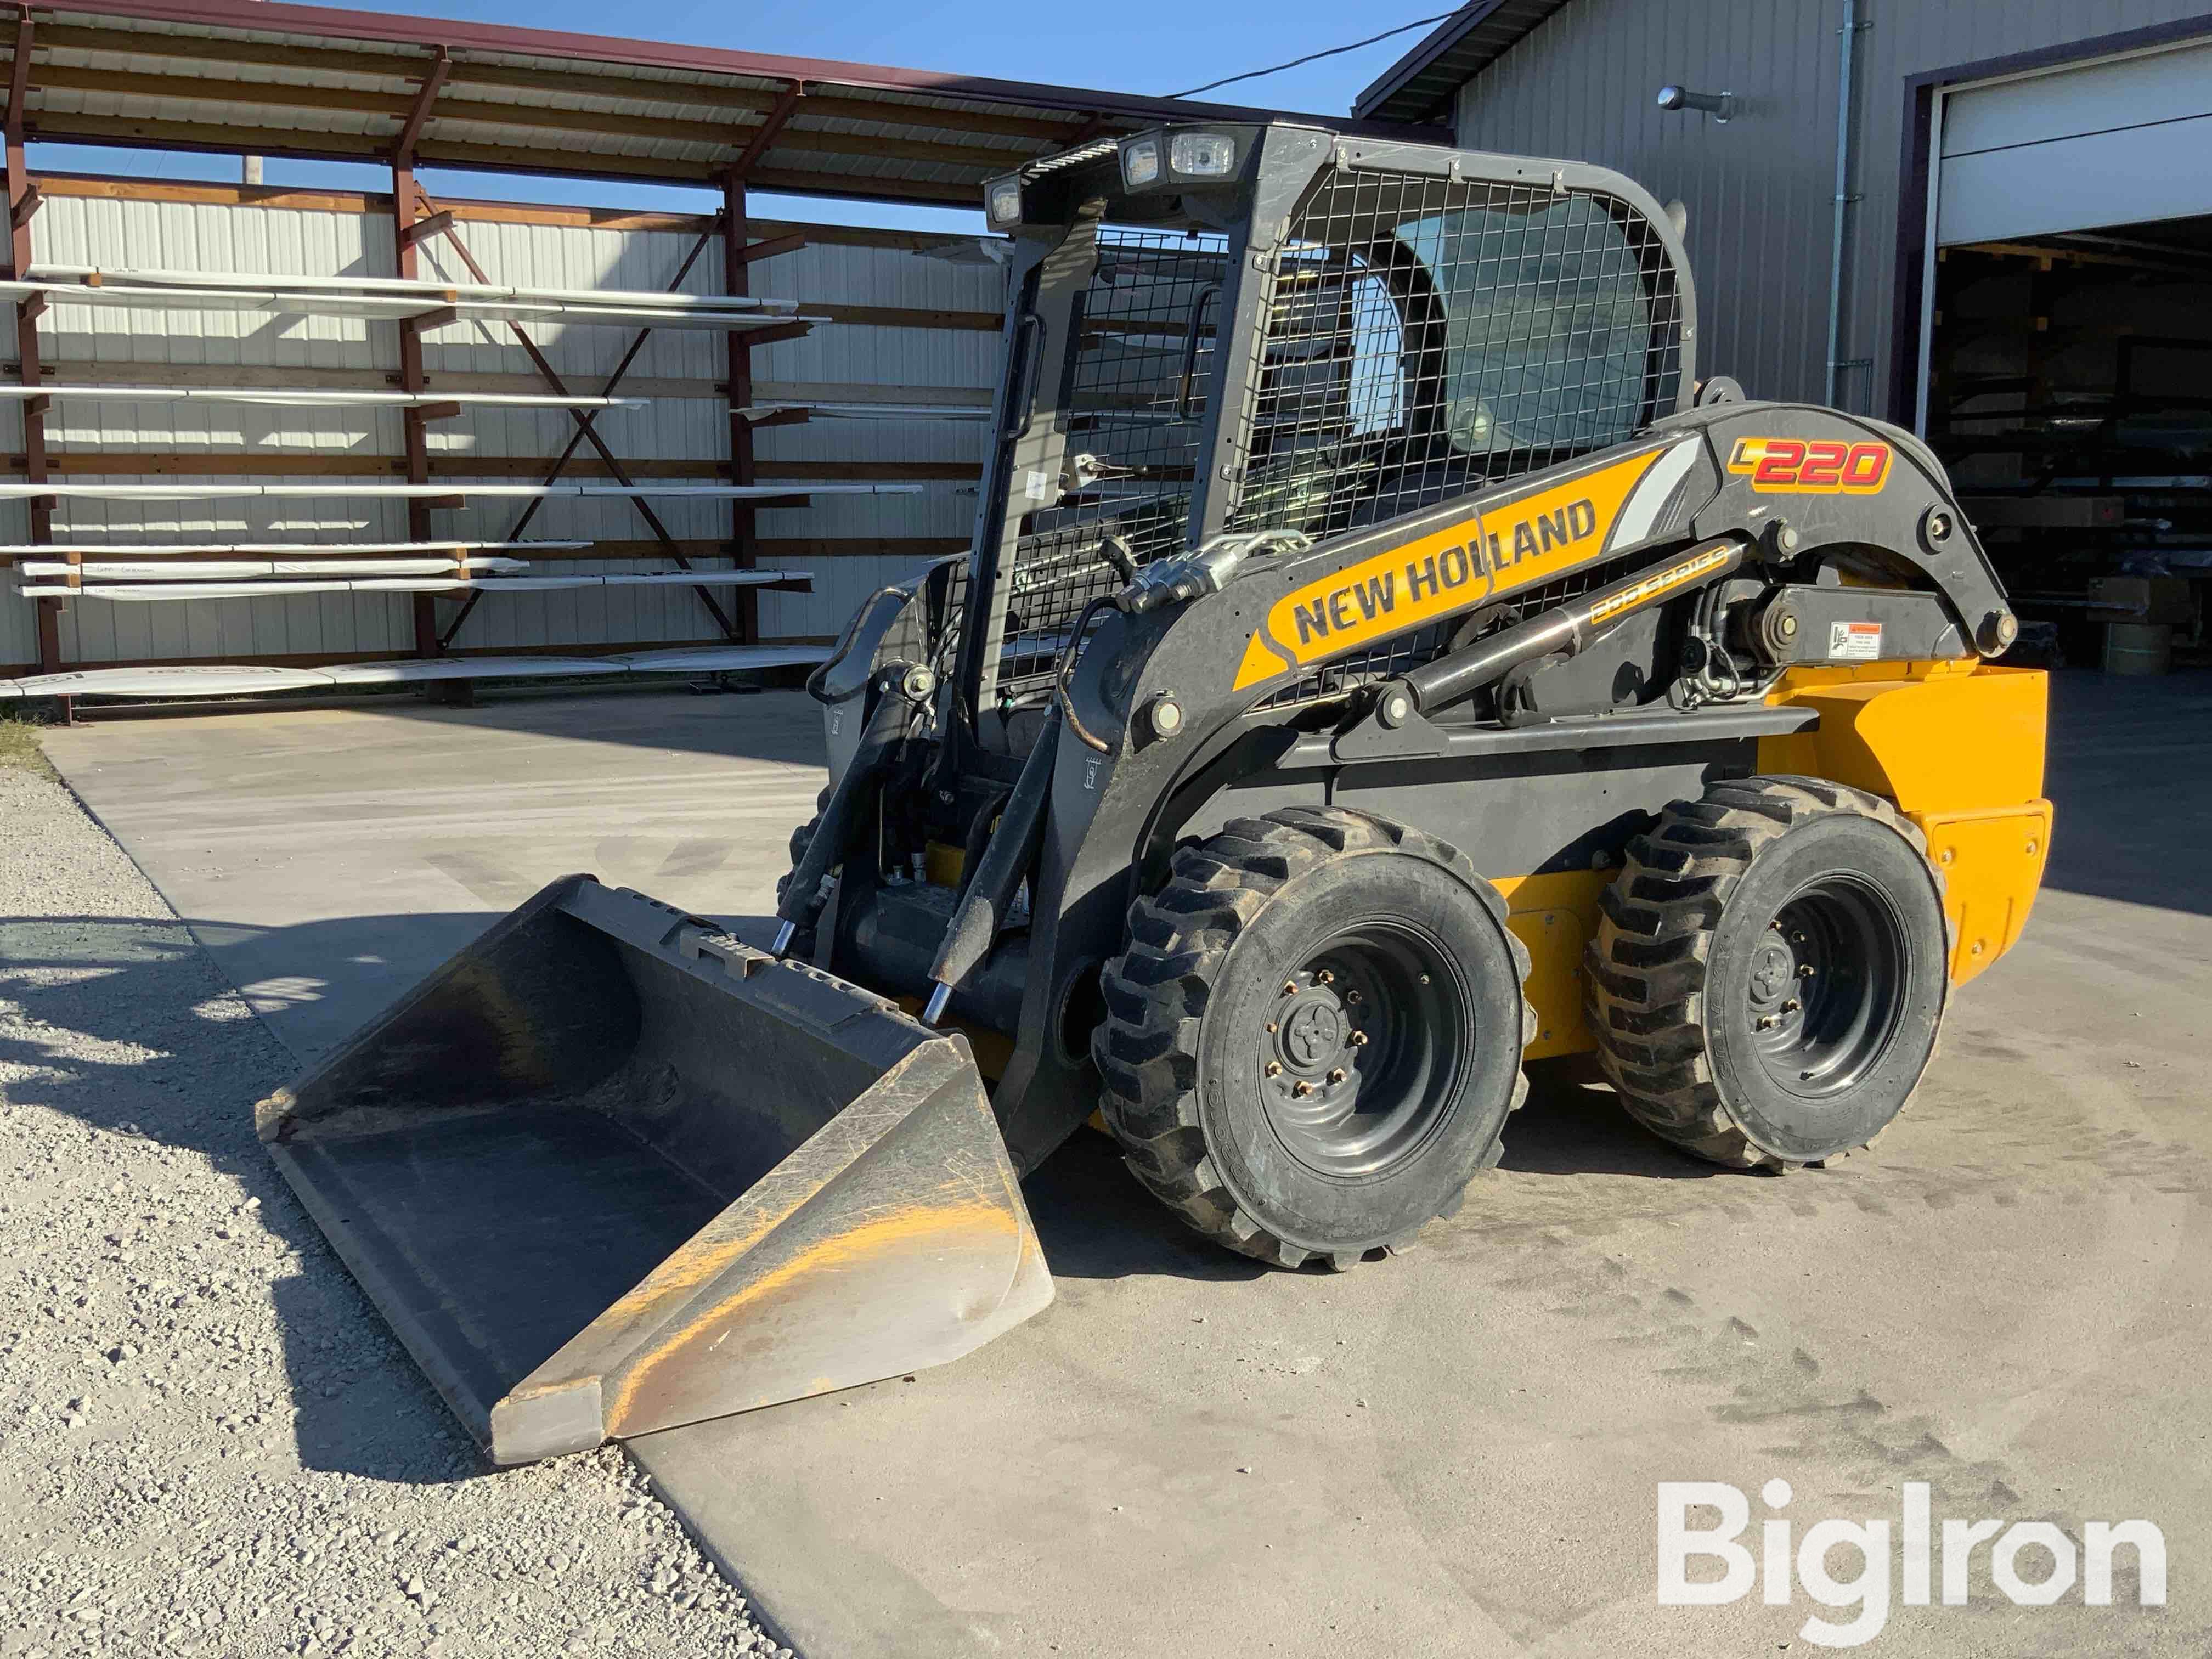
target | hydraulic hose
[
  {"x": 996, "y": 878},
  {"x": 1063, "y": 673},
  {"x": 802, "y": 894}
]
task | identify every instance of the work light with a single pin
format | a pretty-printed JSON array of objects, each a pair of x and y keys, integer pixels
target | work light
[
  {"x": 1141, "y": 162},
  {"x": 1202, "y": 154}
]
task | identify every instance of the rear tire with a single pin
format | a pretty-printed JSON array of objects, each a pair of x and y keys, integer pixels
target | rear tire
[
  {"x": 1314, "y": 1035},
  {"x": 1769, "y": 972}
]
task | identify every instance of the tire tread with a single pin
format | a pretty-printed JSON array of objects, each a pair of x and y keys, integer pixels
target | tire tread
[
  {"x": 1158, "y": 991},
  {"x": 1645, "y": 967}
]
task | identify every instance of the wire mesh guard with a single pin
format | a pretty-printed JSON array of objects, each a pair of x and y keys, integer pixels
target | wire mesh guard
[
  {"x": 1427, "y": 338},
  {"x": 1135, "y": 401}
]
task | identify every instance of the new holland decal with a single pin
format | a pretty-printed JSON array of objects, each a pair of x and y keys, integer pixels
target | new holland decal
[
  {"x": 1516, "y": 543},
  {"x": 1797, "y": 466}
]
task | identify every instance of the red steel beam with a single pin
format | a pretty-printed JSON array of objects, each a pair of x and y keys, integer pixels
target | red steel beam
[
  {"x": 22, "y": 203},
  {"x": 586, "y": 423},
  {"x": 415, "y": 432},
  {"x": 744, "y": 522},
  {"x": 434, "y": 82},
  {"x": 764, "y": 134},
  {"x": 19, "y": 74}
]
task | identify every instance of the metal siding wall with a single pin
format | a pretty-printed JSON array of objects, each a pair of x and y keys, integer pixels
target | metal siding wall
[
  {"x": 1759, "y": 189},
  {"x": 172, "y": 235},
  {"x": 866, "y": 354},
  {"x": 1583, "y": 86},
  {"x": 286, "y": 241}
]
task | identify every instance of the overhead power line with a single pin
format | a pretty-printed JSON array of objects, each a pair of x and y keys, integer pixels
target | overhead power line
[{"x": 1313, "y": 56}]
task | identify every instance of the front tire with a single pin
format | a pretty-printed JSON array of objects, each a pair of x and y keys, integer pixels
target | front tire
[
  {"x": 1314, "y": 1035},
  {"x": 1770, "y": 971}
]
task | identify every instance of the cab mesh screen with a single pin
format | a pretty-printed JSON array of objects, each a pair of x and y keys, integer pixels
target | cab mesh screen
[
  {"x": 1136, "y": 400},
  {"x": 1426, "y": 337}
]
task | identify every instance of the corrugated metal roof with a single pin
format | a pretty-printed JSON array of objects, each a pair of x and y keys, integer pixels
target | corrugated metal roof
[
  {"x": 302, "y": 80},
  {"x": 1421, "y": 86}
]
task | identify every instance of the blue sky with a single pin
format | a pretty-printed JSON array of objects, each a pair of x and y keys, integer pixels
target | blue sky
[{"x": 1120, "y": 48}]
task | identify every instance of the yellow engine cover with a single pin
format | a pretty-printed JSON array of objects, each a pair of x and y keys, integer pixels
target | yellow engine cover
[{"x": 1958, "y": 746}]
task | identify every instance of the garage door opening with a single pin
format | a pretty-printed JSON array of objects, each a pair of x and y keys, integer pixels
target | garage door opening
[
  {"x": 2071, "y": 394},
  {"x": 2069, "y": 342}
]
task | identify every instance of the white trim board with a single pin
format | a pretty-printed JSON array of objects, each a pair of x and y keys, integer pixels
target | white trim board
[
  {"x": 308, "y": 397},
  {"x": 124, "y": 551},
  {"x": 198, "y": 680},
  {"x": 339, "y": 487},
  {"x": 156, "y": 592},
  {"x": 295, "y": 302}
]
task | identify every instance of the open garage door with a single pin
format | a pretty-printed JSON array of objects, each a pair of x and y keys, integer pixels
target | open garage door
[
  {"x": 2068, "y": 348},
  {"x": 2116, "y": 142}
]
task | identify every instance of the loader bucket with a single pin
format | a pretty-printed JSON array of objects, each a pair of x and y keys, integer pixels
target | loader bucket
[{"x": 608, "y": 1171}]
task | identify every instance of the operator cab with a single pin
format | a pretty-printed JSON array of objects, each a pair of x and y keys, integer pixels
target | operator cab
[{"x": 1245, "y": 327}]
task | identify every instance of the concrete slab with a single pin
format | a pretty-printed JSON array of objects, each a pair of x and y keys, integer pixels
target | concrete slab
[
  {"x": 1454, "y": 1454},
  {"x": 331, "y": 857}
]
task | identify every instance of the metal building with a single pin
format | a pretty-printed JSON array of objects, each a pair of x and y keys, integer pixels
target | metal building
[
  {"x": 1989, "y": 220},
  {"x": 355, "y": 439}
]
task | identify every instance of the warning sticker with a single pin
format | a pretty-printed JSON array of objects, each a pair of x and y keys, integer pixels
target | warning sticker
[{"x": 1855, "y": 642}]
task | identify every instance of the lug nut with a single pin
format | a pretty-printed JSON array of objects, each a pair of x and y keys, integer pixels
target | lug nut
[
  {"x": 1290, "y": 988},
  {"x": 1302, "y": 1089},
  {"x": 1326, "y": 977},
  {"x": 1352, "y": 996},
  {"x": 1789, "y": 1005},
  {"x": 1271, "y": 1028},
  {"x": 1273, "y": 1068},
  {"x": 1804, "y": 972},
  {"x": 1765, "y": 1023},
  {"x": 1337, "y": 1075},
  {"x": 1359, "y": 1039}
]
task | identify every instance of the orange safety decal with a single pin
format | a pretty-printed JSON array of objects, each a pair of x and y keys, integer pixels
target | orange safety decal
[
  {"x": 1820, "y": 466},
  {"x": 1516, "y": 543}
]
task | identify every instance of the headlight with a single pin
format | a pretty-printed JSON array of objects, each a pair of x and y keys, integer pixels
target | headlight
[
  {"x": 1004, "y": 201},
  {"x": 1141, "y": 162},
  {"x": 1202, "y": 154}
]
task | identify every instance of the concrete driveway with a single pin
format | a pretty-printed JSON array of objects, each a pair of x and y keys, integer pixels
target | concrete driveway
[{"x": 1455, "y": 1453}]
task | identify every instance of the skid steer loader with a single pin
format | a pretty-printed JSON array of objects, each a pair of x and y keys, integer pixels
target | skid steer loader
[{"x": 1382, "y": 661}]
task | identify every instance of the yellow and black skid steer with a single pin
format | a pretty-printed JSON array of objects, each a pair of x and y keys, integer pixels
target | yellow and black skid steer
[{"x": 1381, "y": 661}]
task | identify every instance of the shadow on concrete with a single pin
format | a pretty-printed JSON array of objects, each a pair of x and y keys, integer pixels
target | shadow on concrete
[
  {"x": 1573, "y": 1124},
  {"x": 1096, "y": 1222},
  {"x": 781, "y": 726},
  {"x": 2130, "y": 772},
  {"x": 169, "y": 1061}
]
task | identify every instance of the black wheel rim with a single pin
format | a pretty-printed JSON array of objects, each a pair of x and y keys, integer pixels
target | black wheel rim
[
  {"x": 1826, "y": 986},
  {"x": 1360, "y": 1050}
]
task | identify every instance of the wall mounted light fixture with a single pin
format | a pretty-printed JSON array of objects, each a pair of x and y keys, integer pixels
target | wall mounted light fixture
[{"x": 1719, "y": 105}]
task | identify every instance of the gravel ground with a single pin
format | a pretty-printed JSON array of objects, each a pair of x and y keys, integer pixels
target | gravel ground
[{"x": 212, "y": 1444}]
